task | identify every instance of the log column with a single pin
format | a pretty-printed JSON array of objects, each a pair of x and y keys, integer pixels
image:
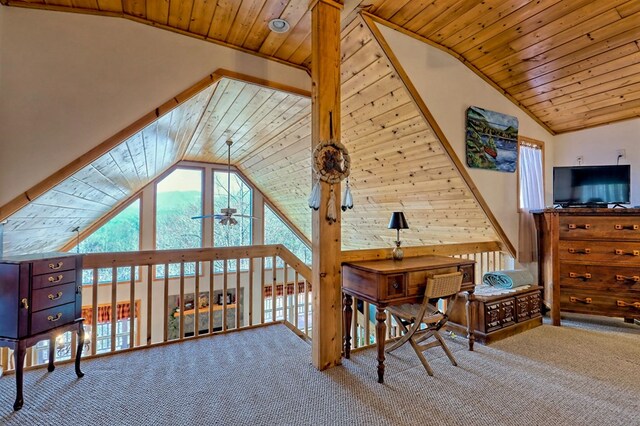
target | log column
[{"x": 326, "y": 238}]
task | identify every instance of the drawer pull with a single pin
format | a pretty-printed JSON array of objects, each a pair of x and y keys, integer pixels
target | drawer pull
[
  {"x": 56, "y": 266},
  {"x": 624, "y": 304},
  {"x": 574, "y": 226},
  {"x": 629, "y": 227},
  {"x": 24, "y": 303},
  {"x": 635, "y": 278},
  {"x": 56, "y": 318},
  {"x": 56, "y": 279},
  {"x": 627, "y": 253},
  {"x": 579, "y": 251},
  {"x": 586, "y": 276},
  {"x": 395, "y": 285},
  {"x": 586, "y": 300},
  {"x": 56, "y": 297}
]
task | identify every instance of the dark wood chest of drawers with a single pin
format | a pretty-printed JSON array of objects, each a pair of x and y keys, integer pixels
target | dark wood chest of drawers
[
  {"x": 589, "y": 261},
  {"x": 40, "y": 297}
]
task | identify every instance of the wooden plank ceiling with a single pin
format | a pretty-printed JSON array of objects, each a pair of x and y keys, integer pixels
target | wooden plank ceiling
[
  {"x": 397, "y": 161},
  {"x": 570, "y": 64}
]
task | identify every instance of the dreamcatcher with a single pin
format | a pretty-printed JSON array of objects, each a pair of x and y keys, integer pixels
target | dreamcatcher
[{"x": 331, "y": 164}]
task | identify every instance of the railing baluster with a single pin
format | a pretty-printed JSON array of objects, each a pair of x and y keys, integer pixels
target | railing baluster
[
  {"x": 367, "y": 325},
  {"x": 150, "y": 271},
  {"x": 306, "y": 308},
  {"x": 132, "y": 307},
  {"x": 181, "y": 304},
  {"x": 211, "y": 298},
  {"x": 274, "y": 289},
  {"x": 251, "y": 260},
  {"x": 4, "y": 359},
  {"x": 285, "y": 292},
  {"x": 165, "y": 316},
  {"x": 196, "y": 302},
  {"x": 262, "y": 289},
  {"x": 114, "y": 306},
  {"x": 237, "y": 293},
  {"x": 225, "y": 269},
  {"x": 296, "y": 298},
  {"x": 94, "y": 312}
]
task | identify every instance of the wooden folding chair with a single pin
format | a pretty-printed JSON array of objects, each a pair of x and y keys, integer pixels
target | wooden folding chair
[{"x": 410, "y": 317}]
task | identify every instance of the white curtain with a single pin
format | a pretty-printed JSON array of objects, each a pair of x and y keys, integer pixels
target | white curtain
[{"x": 531, "y": 198}]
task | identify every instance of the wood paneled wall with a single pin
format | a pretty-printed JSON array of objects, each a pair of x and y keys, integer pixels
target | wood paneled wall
[{"x": 398, "y": 163}]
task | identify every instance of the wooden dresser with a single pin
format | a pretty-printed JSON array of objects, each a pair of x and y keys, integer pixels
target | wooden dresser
[
  {"x": 40, "y": 298},
  {"x": 589, "y": 261}
]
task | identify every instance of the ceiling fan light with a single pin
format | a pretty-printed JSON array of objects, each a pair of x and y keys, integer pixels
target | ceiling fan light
[{"x": 279, "y": 25}]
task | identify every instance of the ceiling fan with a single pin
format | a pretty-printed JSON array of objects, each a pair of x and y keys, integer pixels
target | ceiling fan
[{"x": 228, "y": 215}]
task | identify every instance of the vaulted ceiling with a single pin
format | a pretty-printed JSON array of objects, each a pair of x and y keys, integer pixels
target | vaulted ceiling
[
  {"x": 570, "y": 64},
  {"x": 398, "y": 161}
]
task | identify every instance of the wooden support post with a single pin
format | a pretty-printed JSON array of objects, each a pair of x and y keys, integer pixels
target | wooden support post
[{"x": 326, "y": 238}]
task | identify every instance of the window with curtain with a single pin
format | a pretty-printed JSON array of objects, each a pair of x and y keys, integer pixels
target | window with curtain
[{"x": 531, "y": 195}]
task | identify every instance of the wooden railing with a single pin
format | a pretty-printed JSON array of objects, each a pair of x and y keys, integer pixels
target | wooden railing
[
  {"x": 136, "y": 300},
  {"x": 488, "y": 257}
]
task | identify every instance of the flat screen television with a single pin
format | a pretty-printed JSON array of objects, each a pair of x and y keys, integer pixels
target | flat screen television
[{"x": 592, "y": 185}]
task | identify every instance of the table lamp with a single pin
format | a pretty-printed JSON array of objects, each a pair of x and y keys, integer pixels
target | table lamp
[{"x": 398, "y": 222}]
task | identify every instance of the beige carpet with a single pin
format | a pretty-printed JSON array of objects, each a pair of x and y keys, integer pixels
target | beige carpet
[{"x": 584, "y": 373}]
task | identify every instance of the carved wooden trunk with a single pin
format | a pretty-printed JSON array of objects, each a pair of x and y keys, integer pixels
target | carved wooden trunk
[{"x": 500, "y": 316}]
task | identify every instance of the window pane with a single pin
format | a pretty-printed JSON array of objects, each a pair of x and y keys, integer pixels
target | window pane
[
  {"x": 178, "y": 199},
  {"x": 121, "y": 233},
  {"x": 238, "y": 197},
  {"x": 277, "y": 232}
]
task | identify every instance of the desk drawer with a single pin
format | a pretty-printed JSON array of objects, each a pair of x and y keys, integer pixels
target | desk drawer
[
  {"x": 51, "y": 318},
  {"x": 393, "y": 286},
  {"x": 54, "y": 279},
  {"x": 418, "y": 279},
  {"x": 600, "y": 251},
  {"x": 599, "y": 228},
  {"x": 53, "y": 296}
]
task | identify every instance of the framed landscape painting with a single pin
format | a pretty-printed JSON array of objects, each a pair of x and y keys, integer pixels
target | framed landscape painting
[{"x": 492, "y": 140}]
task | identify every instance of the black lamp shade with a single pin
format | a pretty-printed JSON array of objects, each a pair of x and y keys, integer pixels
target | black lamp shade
[{"x": 398, "y": 221}]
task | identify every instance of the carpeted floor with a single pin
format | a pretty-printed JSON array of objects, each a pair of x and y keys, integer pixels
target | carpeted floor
[{"x": 586, "y": 372}]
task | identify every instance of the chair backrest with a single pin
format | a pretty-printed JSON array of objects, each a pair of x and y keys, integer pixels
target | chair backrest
[{"x": 443, "y": 285}]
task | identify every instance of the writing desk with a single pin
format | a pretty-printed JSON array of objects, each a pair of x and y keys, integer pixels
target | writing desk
[{"x": 390, "y": 282}]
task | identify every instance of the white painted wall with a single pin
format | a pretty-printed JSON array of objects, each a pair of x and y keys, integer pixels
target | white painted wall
[
  {"x": 599, "y": 146},
  {"x": 448, "y": 88},
  {"x": 70, "y": 81}
]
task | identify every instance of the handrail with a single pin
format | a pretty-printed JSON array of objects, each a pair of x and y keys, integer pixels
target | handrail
[
  {"x": 158, "y": 257},
  {"x": 412, "y": 251}
]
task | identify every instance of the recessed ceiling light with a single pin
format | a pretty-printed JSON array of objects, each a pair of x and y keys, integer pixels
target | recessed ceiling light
[{"x": 279, "y": 26}]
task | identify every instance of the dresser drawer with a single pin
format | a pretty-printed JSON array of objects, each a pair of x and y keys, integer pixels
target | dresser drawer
[
  {"x": 600, "y": 251},
  {"x": 53, "y": 296},
  {"x": 54, "y": 279},
  {"x": 626, "y": 305},
  {"x": 51, "y": 318},
  {"x": 54, "y": 265},
  {"x": 600, "y": 277},
  {"x": 597, "y": 227}
]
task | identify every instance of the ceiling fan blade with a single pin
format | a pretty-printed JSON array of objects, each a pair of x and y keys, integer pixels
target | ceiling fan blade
[
  {"x": 215, "y": 216},
  {"x": 245, "y": 216}
]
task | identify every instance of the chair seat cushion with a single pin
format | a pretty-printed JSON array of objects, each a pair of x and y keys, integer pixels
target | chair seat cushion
[{"x": 410, "y": 312}]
